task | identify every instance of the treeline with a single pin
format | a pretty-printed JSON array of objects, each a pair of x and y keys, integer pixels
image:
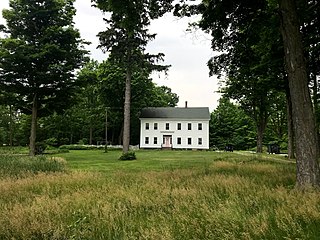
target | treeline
[
  {"x": 231, "y": 125},
  {"x": 40, "y": 53},
  {"x": 85, "y": 121},
  {"x": 99, "y": 94}
]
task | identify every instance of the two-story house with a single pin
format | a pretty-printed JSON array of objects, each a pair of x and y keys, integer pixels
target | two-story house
[{"x": 175, "y": 128}]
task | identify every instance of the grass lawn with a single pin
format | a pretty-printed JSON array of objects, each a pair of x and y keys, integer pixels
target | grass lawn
[
  {"x": 161, "y": 195},
  {"x": 98, "y": 160}
]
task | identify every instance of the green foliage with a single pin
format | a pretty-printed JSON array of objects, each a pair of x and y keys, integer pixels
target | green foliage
[
  {"x": 38, "y": 56},
  {"x": 81, "y": 147},
  {"x": 127, "y": 35},
  {"x": 102, "y": 87},
  {"x": 21, "y": 166},
  {"x": 126, "y": 38},
  {"x": 277, "y": 124},
  {"x": 51, "y": 141},
  {"x": 128, "y": 156},
  {"x": 41, "y": 50},
  {"x": 144, "y": 93},
  {"x": 247, "y": 35},
  {"x": 230, "y": 125}
]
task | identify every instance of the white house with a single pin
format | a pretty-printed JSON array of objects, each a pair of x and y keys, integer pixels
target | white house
[{"x": 175, "y": 128}]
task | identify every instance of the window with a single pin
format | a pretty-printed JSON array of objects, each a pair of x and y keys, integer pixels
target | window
[
  {"x": 155, "y": 126},
  {"x": 189, "y": 141},
  {"x": 200, "y": 126},
  {"x": 189, "y": 126},
  {"x": 199, "y": 141},
  {"x": 167, "y": 126},
  {"x": 146, "y": 140},
  {"x": 155, "y": 140},
  {"x": 179, "y": 140},
  {"x": 147, "y": 126},
  {"x": 179, "y": 126}
]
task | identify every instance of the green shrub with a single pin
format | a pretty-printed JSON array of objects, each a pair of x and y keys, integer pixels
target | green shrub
[
  {"x": 51, "y": 141},
  {"x": 81, "y": 147},
  {"x": 128, "y": 156},
  {"x": 89, "y": 147},
  {"x": 83, "y": 141}
]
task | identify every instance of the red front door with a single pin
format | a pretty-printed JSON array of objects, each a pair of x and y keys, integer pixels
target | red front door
[{"x": 167, "y": 141}]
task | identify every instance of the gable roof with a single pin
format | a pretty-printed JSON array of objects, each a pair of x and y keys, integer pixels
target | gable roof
[{"x": 199, "y": 113}]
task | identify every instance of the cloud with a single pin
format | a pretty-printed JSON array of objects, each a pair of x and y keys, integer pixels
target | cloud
[{"x": 187, "y": 53}]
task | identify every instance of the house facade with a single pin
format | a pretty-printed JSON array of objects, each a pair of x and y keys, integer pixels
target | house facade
[{"x": 174, "y": 128}]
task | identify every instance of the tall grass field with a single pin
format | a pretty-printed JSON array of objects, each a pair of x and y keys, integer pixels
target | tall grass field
[{"x": 161, "y": 195}]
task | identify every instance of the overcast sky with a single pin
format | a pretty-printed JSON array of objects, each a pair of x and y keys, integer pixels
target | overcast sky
[{"x": 187, "y": 53}]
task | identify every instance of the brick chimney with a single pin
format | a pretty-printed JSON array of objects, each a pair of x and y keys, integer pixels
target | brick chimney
[{"x": 186, "y": 104}]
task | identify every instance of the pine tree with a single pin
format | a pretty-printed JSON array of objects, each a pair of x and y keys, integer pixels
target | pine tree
[{"x": 38, "y": 55}]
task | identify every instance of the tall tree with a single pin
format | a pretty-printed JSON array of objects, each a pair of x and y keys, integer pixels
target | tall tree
[
  {"x": 39, "y": 54},
  {"x": 126, "y": 38},
  {"x": 308, "y": 172}
]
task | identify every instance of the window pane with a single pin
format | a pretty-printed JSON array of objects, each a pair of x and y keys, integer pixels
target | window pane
[
  {"x": 199, "y": 126},
  {"x": 147, "y": 126},
  {"x": 179, "y": 126},
  {"x": 167, "y": 126},
  {"x": 189, "y": 126},
  {"x": 179, "y": 140},
  {"x": 189, "y": 141},
  {"x": 155, "y": 126},
  {"x": 200, "y": 141},
  {"x": 146, "y": 140},
  {"x": 155, "y": 140}
]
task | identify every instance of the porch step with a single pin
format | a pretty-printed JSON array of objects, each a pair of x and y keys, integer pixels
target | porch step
[{"x": 166, "y": 148}]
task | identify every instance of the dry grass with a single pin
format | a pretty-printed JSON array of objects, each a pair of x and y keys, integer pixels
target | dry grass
[{"x": 221, "y": 200}]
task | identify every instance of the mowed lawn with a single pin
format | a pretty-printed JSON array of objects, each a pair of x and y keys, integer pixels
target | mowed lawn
[
  {"x": 157, "y": 160},
  {"x": 97, "y": 160},
  {"x": 161, "y": 195}
]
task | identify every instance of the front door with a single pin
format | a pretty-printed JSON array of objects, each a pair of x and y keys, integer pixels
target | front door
[{"x": 167, "y": 141}]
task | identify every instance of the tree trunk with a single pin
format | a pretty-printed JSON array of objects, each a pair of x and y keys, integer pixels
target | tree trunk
[
  {"x": 290, "y": 126},
  {"x": 11, "y": 127},
  {"x": 261, "y": 126},
  {"x": 259, "y": 139},
  {"x": 106, "y": 132},
  {"x": 316, "y": 108},
  {"x": 71, "y": 138},
  {"x": 303, "y": 117},
  {"x": 126, "y": 122},
  {"x": 32, "y": 144}
]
